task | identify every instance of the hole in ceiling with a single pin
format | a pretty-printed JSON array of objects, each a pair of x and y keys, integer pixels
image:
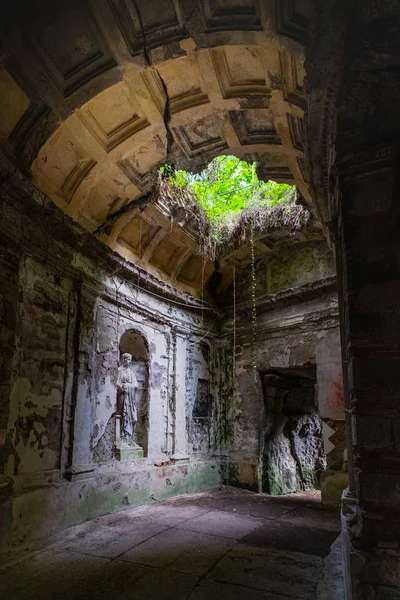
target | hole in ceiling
[
  {"x": 227, "y": 203},
  {"x": 227, "y": 186}
]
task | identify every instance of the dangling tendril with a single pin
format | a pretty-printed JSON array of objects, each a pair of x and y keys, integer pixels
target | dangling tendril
[
  {"x": 234, "y": 325},
  {"x": 253, "y": 290}
]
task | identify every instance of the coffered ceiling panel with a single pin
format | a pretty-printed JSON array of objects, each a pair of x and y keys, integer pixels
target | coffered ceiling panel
[
  {"x": 113, "y": 116},
  {"x": 14, "y": 103},
  {"x": 166, "y": 255},
  {"x": 293, "y": 73},
  {"x": 138, "y": 234},
  {"x": 204, "y": 135},
  {"x": 255, "y": 126},
  {"x": 296, "y": 131},
  {"x": 293, "y": 18},
  {"x": 145, "y": 18},
  {"x": 231, "y": 14},
  {"x": 138, "y": 164},
  {"x": 21, "y": 107},
  {"x": 183, "y": 91},
  {"x": 70, "y": 45},
  {"x": 95, "y": 96},
  {"x": 62, "y": 165},
  {"x": 241, "y": 72}
]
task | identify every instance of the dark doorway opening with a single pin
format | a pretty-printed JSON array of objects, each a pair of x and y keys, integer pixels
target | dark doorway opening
[{"x": 293, "y": 454}]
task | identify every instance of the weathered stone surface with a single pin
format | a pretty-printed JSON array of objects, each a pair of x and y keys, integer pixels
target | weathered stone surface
[
  {"x": 267, "y": 570},
  {"x": 156, "y": 551},
  {"x": 280, "y": 467},
  {"x": 176, "y": 549},
  {"x": 8, "y": 305},
  {"x": 294, "y": 456},
  {"x": 308, "y": 449},
  {"x": 74, "y": 301},
  {"x": 353, "y": 107},
  {"x": 300, "y": 340},
  {"x": 331, "y": 587}
]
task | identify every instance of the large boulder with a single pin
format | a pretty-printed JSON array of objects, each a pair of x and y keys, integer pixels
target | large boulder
[{"x": 294, "y": 454}]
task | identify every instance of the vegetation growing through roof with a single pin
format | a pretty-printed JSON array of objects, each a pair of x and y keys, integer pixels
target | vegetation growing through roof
[
  {"x": 228, "y": 185},
  {"x": 226, "y": 201}
]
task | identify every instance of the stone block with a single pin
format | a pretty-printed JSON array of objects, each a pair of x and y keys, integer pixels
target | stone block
[
  {"x": 396, "y": 432},
  {"x": 376, "y": 371},
  {"x": 373, "y": 431},
  {"x": 335, "y": 444},
  {"x": 129, "y": 453},
  {"x": 332, "y": 485},
  {"x": 383, "y": 570},
  {"x": 386, "y": 593},
  {"x": 377, "y": 486}
]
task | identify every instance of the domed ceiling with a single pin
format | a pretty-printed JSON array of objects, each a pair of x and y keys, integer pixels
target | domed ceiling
[{"x": 95, "y": 96}]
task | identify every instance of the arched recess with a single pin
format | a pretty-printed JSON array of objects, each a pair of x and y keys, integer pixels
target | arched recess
[
  {"x": 201, "y": 410},
  {"x": 135, "y": 344}
]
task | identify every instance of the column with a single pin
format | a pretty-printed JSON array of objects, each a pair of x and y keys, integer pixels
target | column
[{"x": 369, "y": 286}]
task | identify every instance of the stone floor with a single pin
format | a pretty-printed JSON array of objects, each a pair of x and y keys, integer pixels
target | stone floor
[{"x": 226, "y": 544}]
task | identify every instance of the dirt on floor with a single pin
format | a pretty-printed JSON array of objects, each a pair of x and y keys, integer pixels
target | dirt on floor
[{"x": 224, "y": 544}]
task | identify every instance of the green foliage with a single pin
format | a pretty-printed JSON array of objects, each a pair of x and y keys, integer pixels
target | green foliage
[{"x": 227, "y": 186}]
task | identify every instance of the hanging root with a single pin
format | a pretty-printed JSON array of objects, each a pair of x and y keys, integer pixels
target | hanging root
[{"x": 216, "y": 239}]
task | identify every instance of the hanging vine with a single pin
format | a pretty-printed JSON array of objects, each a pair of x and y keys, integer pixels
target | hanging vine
[
  {"x": 140, "y": 252},
  {"x": 203, "y": 266},
  {"x": 253, "y": 292},
  {"x": 234, "y": 326}
]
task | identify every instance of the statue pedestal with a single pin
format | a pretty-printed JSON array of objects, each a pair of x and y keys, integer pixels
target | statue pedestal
[
  {"x": 129, "y": 453},
  {"x": 125, "y": 451}
]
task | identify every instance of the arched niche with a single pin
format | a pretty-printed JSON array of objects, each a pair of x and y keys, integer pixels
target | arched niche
[
  {"x": 135, "y": 343},
  {"x": 200, "y": 416}
]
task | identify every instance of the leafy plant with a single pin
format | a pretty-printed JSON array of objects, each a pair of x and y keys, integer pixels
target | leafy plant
[{"x": 227, "y": 186}]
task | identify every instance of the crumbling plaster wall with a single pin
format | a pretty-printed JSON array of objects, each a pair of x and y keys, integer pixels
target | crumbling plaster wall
[
  {"x": 57, "y": 419},
  {"x": 73, "y": 300},
  {"x": 297, "y": 338},
  {"x": 67, "y": 304},
  {"x": 287, "y": 267},
  {"x": 297, "y": 328},
  {"x": 8, "y": 303},
  {"x": 36, "y": 398},
  {"x": 111, "y": 322},
  {"x": 201, "y": 408}
]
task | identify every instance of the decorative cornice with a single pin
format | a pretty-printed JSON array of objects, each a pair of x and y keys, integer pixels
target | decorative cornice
[
  {"x": 302, "y": 293},
  {"x": 29, "y": 208},
  {"x": 373, "y": 158}
]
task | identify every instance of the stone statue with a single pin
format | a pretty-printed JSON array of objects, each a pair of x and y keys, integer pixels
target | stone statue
[{"x": 126, "y": 391}]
